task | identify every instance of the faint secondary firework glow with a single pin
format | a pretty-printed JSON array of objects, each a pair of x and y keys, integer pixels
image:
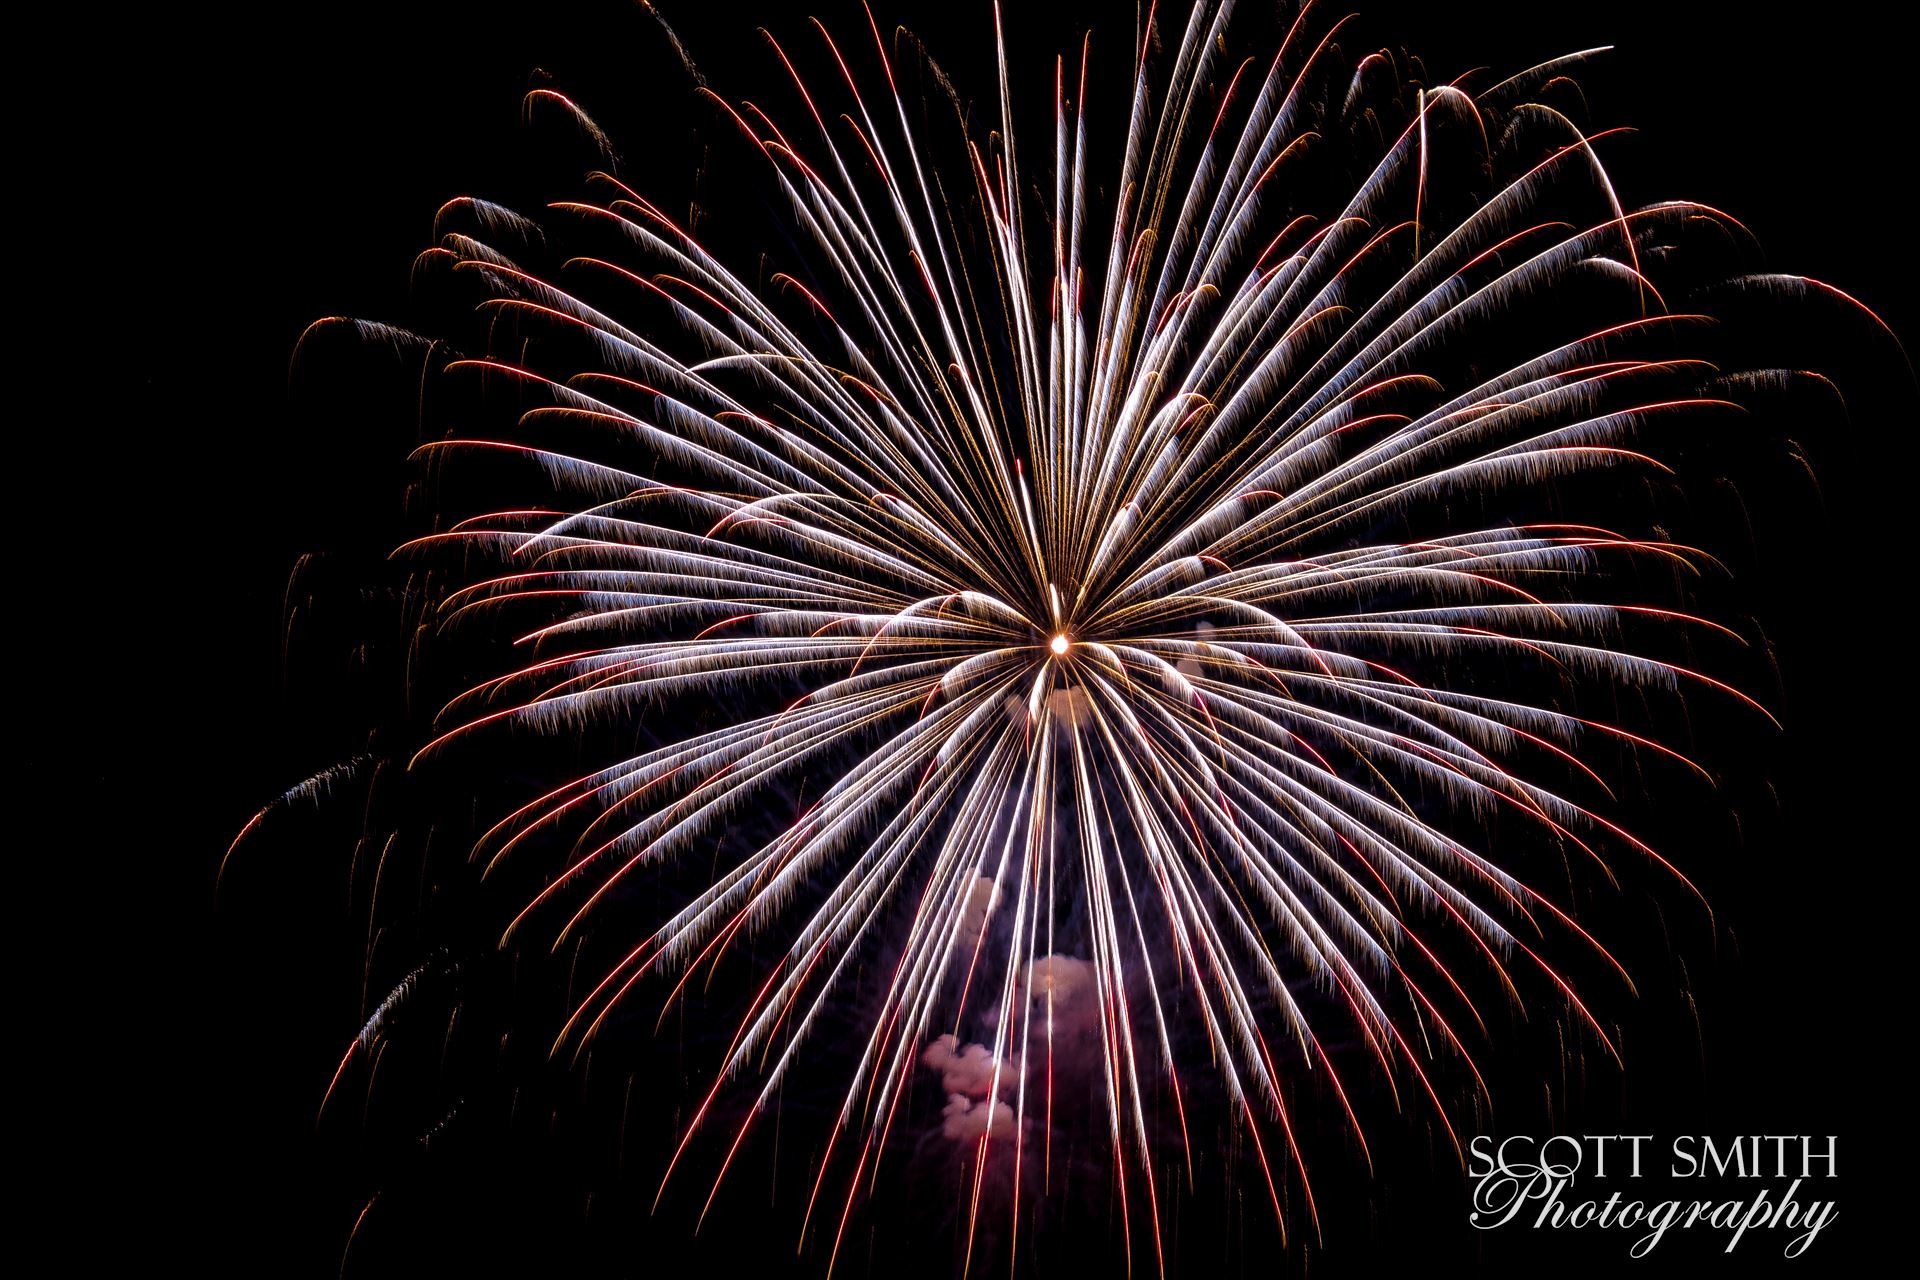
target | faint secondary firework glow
[{"x": 1119, "y": 610}]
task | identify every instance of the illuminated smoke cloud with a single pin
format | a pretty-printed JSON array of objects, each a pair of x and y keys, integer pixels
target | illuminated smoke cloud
[
  {"x": 1064, "y": 986},
  {"x": 973, "y": 916},
  {"x": 1071, "y": 706},
  {"x": 965, "y": 1120},
  {"x": 968, "y": 1072},
  {"x": 1064, "y": 1008}
]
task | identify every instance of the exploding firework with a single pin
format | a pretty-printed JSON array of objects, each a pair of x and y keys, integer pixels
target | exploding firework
[{"x": 1110, "y": 621}]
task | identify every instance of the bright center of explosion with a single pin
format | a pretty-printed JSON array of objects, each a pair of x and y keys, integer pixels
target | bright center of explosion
[{"x": 1060, "y": 644}]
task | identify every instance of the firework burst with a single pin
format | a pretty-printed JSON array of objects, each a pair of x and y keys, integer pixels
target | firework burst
[{"x": 1128, "y": 598}]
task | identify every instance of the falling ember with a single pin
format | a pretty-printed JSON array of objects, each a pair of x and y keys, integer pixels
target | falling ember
[{"x": 1310, "y": 668}]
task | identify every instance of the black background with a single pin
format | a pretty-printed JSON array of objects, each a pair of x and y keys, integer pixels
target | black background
[{"x": 272, "y": 168}]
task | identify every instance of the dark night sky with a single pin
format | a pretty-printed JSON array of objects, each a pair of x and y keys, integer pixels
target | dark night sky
[{"x": 289, "y": 170}]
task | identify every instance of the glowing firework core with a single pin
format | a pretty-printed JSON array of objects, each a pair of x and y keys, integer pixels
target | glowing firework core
[{"x": 1060, "y": 644}]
